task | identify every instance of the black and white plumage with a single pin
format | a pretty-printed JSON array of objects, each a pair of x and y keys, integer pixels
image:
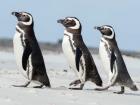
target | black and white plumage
[
  {"x": 27, "y": 51},
  {"x": 112, "y": 60},
  {"x": 77, "y": 54}
]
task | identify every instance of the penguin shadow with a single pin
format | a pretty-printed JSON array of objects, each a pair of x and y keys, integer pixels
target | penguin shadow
[
  {"x": 59, "y": 88},
  {"x": 30, "y": 87},
  {"x": 97, "y": 91},
  {"x": 132, "y": 94},
  {"x": 111, "y": 91}
]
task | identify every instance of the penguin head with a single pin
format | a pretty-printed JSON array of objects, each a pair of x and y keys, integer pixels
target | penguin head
[
  {"x": 107, "y": 31},
  {"x": 24, "y": 18},
  {"x": 70, "y": 23}
]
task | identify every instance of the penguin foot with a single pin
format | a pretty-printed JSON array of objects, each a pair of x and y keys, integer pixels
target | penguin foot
[
  {"x": 38, "y": 86},
  {"x": 25, "y": 85},
  {"x": 77, "y": 88},
  {"x": 101, "y": 89},
  {"x": 75, "y": 83},
  {"x": 122, "y": 90}
]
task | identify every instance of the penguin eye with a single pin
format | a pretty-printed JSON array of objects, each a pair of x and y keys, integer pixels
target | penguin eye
[
  {"x": 67, "y": 21},
  {"x": 102, "y": 28},
  {"x": 105, "y": 28}
]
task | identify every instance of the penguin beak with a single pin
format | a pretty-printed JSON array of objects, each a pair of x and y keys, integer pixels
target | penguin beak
[
  {"x": 98, "y": 28},
  {"x": 15, "y": 14},
  {"x": 60, "y": 21}
]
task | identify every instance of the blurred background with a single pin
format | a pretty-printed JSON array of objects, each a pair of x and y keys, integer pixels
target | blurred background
[{"x": 123, "y": 15}]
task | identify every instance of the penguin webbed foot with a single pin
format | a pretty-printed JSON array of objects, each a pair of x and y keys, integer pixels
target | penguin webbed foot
[
  {"x": 101, "y": 89},
  {"x": 25, "y": 85},
  {"x": 76, "y": 88},
  {"x": 122, "y": 90},
  {"x": 75, "y": 83},
  {"x": 38, "y": 86}
]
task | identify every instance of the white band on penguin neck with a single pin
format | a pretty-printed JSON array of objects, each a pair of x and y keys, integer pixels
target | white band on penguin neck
[
  {"x": 67, "y": 33},
  {"x": 19, "y": 29},
  {"x": 77, "y": 26},
  {"x": 111, "y": 36}
]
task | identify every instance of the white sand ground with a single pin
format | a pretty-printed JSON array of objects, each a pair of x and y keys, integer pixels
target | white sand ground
[{"x": 59, "y": 94}]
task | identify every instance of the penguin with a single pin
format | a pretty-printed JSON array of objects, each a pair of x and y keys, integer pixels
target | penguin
[
  {"x": 113, "y": 61},
  {"x": 77, "y": 54},
  {"x": 28, "y": 55}
]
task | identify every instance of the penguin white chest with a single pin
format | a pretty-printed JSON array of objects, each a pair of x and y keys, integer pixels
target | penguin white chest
[
  {"x": 105, "y": 57},
  {"x": 68, "y": 50},
  {"x": 18, "y": 51}
]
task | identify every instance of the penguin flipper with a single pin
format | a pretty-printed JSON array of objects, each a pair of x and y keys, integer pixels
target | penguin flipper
[
  {"x": 111, "y": 54},
  {"x": 78, "y": 54},
  {"x": 26, "y": 53},
  {"x": 112, "y": 60}
]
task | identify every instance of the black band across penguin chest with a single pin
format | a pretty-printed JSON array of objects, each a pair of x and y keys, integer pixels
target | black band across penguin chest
[
  {"x": 21, "y": 37},
  {"x": 107, "y": 48},
  {"x": 76, "y": 51},
  {"x": 71, "y": 44}
]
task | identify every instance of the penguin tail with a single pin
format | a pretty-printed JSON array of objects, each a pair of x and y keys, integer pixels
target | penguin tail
[
  {"x": 47, "y": 85},
  {"x": 97, "y": 81},
  {"x": 134, "y": 88},
  {"x": 45, "y": 80},
  {"x": 94, "y": 77}
]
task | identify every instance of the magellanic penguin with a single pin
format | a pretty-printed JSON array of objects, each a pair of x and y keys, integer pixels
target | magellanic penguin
[
  {"x": 112, "y": 61},
  {"x": 27, "y": 51},
  {"x": 77, "y": 54}
]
